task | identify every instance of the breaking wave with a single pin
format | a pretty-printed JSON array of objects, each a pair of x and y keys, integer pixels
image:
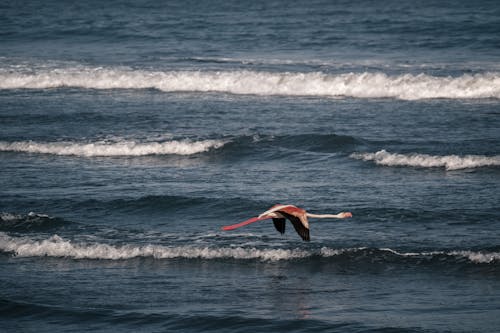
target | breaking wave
[
  {"x": 55, "y": 246},
  {"x": 359, "y": 85},
  {"x": 28, "y": 222},
  {"x": 449, "y": 162},
  {"x": 123, "y": 148}
]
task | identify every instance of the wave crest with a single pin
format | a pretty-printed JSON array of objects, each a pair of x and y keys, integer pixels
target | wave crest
[
  {"x": 123, "y": 148},
  {"x": 359, "y": 85},
  {"x": 28, "y": 222},
  {"x": 55, "y": 246},
  {"x": 449, "y": 162}
]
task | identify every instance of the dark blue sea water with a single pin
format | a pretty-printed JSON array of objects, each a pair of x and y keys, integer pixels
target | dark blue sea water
[{"x": 132, "y": 131}]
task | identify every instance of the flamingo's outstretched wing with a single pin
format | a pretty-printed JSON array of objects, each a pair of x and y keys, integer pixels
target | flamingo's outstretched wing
[
  {"x": 279, "y": 224},
  {"x": 299, "y": 226},
  {"x": 241, "y": 224}
]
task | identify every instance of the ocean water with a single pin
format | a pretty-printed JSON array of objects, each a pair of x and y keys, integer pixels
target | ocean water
[{"x": 132, "y": 131}]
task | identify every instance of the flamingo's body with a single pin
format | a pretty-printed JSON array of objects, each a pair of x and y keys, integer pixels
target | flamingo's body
[{"x": 297, "y": 216}]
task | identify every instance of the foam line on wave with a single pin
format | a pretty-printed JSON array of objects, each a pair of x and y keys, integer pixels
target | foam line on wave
[
  {"x": 477, "y": 257},
  {"x": 123, "y": 148},
  {"x": 358, "y": 85},
  {"x": 56, "y": 246},
  {"x": 449, "y": 162}
]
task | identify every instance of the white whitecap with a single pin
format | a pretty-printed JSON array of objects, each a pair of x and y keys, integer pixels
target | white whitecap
[
  {"x": 56, "y": 246},
  {"x": 478, "y": 257},
  {"x": 449, "y": 162},
  {"x": 122, "y": 148},
  {"x": 359, "y": 85}
]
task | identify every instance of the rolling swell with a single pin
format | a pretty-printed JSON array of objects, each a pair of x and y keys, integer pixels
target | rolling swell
[
  {"x": 326, "y": 143},
  {"x": 278, "y": 146},
  {"x": 234, "y": 323},
  {"x": 148, "y": 204},
  {"x": 455, "y": 216},
  {"x": 12, "y": 309},
  {"x": 170, "y": 204},
  {"x": 98, "y": 318}
]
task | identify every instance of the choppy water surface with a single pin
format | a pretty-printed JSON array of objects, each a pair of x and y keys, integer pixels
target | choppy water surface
[{"x": 130, "y": 132}]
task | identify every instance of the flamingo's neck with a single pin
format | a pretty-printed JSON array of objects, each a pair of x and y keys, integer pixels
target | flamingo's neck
[{"x": 324, "y": 216}]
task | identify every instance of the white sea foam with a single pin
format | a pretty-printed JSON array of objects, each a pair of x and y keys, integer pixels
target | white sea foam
[
  {"x": 121, "y": 148},
  {"x": 8, "y": 217},
  {"x": 55, "y": 246},
  {"x": 476, "y": 257},
  {"x": 360, "y": 85},
  {"x": 449, "y": 162},
  {"x": 4, "y": 216}
]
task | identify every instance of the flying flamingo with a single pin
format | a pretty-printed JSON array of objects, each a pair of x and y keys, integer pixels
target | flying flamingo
[{"x": 296, "y": 215}]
